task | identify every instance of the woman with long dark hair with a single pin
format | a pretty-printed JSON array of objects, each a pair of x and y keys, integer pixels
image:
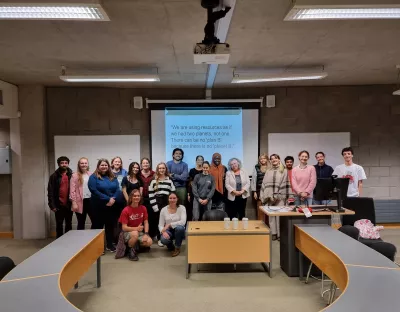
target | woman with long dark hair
[
  {"x": 172, "y": 224},
  {"x": 192, "y": 173},
  {"x": 203, "y": 187},
  {"x": 160, "y": 188},
  {"x": 145, "y": 176},
  {"x": 132, "y": 181},
  {"x": 104, "y": 190},
  {"x": 79, "y": 193}
]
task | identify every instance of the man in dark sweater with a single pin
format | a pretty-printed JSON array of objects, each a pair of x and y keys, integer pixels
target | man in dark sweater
[
  {"x": 323, "y": 171},
  {"x": 179, "y": 174},
  {"x": 58, "y": 195}
]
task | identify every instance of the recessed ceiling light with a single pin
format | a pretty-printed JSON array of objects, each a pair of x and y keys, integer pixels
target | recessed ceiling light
[
  {"x": 337, "y": 10},
  {"x": 53, "y": 11}
]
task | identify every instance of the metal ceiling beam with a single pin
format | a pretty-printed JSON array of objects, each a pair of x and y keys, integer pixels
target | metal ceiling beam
[{"x": 221, "y": 32}]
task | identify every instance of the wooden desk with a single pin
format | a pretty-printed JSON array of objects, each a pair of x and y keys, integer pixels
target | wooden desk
[
  {"x": 289, "y": 256},
  {"x": 209, "y": 242},
  {"x": 45, "y": 278},
  {"x": 368, "y": 280}
]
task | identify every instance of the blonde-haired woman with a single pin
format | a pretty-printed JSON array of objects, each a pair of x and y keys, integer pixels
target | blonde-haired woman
[
  {"x": 275, "y": 190},
  {"x": 79, "y": 193},
  {"x": 256, "y": 181},
  {"x": 104, "y": 188},
  {"x": 159, "y": 189}
]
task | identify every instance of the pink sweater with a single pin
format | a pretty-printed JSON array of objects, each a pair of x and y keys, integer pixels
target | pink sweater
[{"x": 304, "y": 180}]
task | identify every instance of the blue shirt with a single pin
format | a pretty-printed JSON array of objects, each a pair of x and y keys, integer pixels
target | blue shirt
[
  {"x": 180, "y": 171},
  {"x": 103, "y": 189}
]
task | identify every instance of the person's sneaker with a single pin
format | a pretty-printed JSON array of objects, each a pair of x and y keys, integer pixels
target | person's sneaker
[
  {"x": 132, "y": 255},
  {"x": 111, "y": 248},
  {"x": 160, "y": 244},
  {"x": 176, "y": 252}
]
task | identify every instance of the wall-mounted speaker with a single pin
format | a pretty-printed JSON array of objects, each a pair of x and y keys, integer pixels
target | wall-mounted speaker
[
  {"x": 138, "y": 102},
  {"x": 270, "y": 101}
]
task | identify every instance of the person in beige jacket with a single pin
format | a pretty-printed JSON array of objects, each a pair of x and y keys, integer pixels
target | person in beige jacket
[{"x": 237, "y": 183}]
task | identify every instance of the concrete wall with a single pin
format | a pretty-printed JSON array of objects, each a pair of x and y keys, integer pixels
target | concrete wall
[
  {"x": 370, "y": 113},
  {"x": 30, "y": 166},
  {"x": 5, "y": 183}
]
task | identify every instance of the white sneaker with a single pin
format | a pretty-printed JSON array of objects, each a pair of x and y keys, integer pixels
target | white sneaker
[{"x": 160, "y": 244}]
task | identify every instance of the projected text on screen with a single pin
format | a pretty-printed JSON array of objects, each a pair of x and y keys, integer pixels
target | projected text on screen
[{"x": 204, "y": 131}]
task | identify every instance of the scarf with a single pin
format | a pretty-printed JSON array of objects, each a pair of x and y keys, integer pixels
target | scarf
[
  {"x": 218, "y": 172},
  {"x": 275, "y": 184}
]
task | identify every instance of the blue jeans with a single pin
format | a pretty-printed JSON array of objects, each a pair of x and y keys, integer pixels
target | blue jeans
[
  {"x": 321, "y": 202},
  {"x": 299, "y": 202},
  {"x": 178, "y": 233}
]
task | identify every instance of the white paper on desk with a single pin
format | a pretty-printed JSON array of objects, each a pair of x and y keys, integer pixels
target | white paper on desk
[
  {"x": 307, "y": 212},
  {"x": 276, "y": 209}
]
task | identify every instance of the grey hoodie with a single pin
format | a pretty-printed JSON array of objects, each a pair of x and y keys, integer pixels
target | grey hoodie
[{"x": 203, "y": 186}]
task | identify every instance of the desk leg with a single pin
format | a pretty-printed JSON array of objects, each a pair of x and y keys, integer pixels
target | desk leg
[
  {"x": 267, "y": 267},
  {"x": 301, "y": 265},
  {"x": 98, "y": 272},
  {"x": 76, "y": 285},
  {"x": 187, "y": 270}
]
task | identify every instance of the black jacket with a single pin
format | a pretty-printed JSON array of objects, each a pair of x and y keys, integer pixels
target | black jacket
[
  {"x": 53, "y": 188},
  {"x": 324, "y": 171}
]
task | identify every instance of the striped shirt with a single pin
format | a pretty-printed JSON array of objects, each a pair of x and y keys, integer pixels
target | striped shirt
[{"x": 164, "y": 187}]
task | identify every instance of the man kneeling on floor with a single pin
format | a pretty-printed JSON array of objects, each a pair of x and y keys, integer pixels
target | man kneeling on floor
[{"x": 134, "y": 220}]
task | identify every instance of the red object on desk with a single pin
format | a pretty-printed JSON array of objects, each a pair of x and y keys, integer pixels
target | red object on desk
[{"x": 301, "y": 209}]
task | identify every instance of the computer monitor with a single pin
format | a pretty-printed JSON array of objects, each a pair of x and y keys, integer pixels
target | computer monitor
[
  {"x": 332, "y": 188},
  {"x": 341, "y": 184},
  {"x": 324, "y": 189}
]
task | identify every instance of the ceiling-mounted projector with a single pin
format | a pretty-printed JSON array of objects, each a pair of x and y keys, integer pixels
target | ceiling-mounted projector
[{"x": 211, "y": 53}]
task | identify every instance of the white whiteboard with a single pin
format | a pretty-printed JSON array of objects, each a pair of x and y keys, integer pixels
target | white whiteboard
[
  {"x": 290, "y": 144},
  {"x": 95, "y": 147}
]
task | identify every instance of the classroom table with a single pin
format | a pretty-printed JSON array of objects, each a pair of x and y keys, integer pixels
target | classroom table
[
  {"x": 368, "y": 280},
  {"x": 289, "y": 258},
  {"x": 209, "y": 242},
  {"x": 41, "y": 282}
]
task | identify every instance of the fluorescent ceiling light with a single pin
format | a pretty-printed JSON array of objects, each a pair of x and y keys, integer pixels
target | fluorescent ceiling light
[
  {"x": 111, "y": 78},
  {"x": 53, "y": 11},
  {"x": 397, "y": 92},
  {"x": 340, "y": 12},
  {"x": 278, "y": 76}
]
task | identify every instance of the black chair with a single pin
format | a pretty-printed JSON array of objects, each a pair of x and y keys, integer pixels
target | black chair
[
  {"x": 214, "y": 215},
  {"x": 6, "y": 265},
  {"x": 364, "y": 208},
  {"x": 351, "y": 231}
]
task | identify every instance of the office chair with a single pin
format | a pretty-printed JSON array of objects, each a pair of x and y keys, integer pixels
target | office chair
[
  {"x": 214, "y": 215},
  {"x": 364, "y": 208},
  {"x": 6, "y": 265}
]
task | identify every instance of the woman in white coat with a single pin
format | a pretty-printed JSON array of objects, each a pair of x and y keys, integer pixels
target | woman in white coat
[{"x": 237, "y": 183}]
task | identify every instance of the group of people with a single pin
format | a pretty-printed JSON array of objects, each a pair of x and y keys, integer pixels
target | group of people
[
  {"x": 275, "y": 183},
  {"x": 140, "y": 205}
]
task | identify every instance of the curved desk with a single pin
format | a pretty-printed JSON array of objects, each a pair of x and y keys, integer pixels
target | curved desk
[
  {"x": 41, "y": 282},
  {"x": 368, "y": 280}
]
